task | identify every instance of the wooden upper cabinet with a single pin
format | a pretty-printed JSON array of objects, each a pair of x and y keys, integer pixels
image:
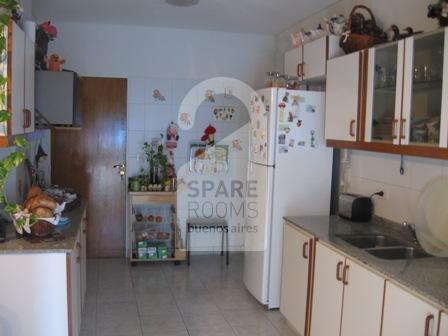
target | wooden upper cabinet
[
  {"x": 309, "y": 61},
  {"x": 424, "y": 119},
  {"x": 342, "y": 98},
  {"x": 384, "y": 93}
]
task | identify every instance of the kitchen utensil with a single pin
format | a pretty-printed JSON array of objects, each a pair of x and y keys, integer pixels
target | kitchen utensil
[{"x": 431, "y": 223}]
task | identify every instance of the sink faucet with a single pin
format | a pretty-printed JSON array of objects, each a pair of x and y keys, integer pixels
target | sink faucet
[{"x": 411, "y": 228}]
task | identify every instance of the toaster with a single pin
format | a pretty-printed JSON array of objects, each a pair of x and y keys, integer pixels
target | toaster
[{"x": 355, "y": 208}]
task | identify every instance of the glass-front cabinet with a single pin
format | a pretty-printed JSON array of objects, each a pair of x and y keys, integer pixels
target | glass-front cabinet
[
  {"x": 384, "y": 93},
  {"x": 424, "y": 120}
]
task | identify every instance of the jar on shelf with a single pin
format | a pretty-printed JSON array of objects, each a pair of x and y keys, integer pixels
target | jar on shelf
[
  {"x": 279, "y": 80},
  {"x": 292, "y": 82},
  {"x": 269, "y": 80}
]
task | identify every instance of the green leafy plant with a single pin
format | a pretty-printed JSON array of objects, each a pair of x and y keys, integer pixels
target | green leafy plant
[
  {"x": 157, "y": 161},
  {"x": 22, "y": 220}
]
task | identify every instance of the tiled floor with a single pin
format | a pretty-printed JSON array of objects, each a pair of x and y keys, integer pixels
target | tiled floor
[{"x": 206, "y": 299}]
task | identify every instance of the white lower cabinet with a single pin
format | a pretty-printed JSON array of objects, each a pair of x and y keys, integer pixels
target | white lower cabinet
[
  {"x": 407, "y": 315},
  {"x": 443, "y": 331},
  {"x": 347, "y": 298},
  {"x": 297, "y": 249},
  {"x": 363, "y": 301}
]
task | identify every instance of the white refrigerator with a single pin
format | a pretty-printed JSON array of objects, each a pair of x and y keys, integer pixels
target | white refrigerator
[{"x": 289, "y": 174}]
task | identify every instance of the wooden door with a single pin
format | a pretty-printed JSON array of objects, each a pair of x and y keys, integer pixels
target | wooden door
[
  {"x": 292, "y": 59},
  {"x": 443, "y": 329},
  {"x": 327, "y": 292},
  {"x": 407, "y": 315},
  {"x": 84, "y": 160},
  {"x": 362, "y": 308},
  {"x": 295, "y": 267},
  {"x": 342, "y": 98}
]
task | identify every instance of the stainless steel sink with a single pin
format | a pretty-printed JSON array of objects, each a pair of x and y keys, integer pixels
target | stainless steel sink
[
  {"x": 397, "y": 253},
  {"x": 368, "y": 241}
]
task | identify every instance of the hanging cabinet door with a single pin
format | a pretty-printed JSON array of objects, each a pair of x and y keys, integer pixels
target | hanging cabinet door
[
  {"x": 327, "y": 292},
  {"x": 406, "y": 315},
  {"x": 314, "y": 59},
  {"x": 425, "y": 102},
  {"x": 384, "y": 93},
  {"x": 443, "y": 329},
  {"x": 297, "y": 248},
  {"x": 293, "y": 58},
  {"x": 342, "y": 98}
]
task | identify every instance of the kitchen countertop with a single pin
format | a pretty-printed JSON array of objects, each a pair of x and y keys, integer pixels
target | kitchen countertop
[
  {"x": 16, "y": 244},
  {"x": 425, "y": 276}
]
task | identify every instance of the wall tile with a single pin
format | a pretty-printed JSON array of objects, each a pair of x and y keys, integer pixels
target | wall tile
[
  {"x": 165, "y": 88},
  {"x": 182, "y": 87},
  {"x": 136, "y": 117},
  {"x": 423, "y": 171},
  {"x": 135, "y": 143},
  {"x": 158, "y": 117},
  {"x": 136, "y": 90}
]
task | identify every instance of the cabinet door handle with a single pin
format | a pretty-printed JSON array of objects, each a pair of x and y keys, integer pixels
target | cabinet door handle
[
  {"x": 299, "y": 69},
  {"x": 78, "y": 260},
  {"x": 78, "y": 245},
  {"x": 344, "y": 275},
  {"x": 304, "y": 249},
  {"x": 25, "y": 118},
  {"x": 352, "y": 131},
  {"x": 394, "y": 129},
  {"x": 428, "y": 320},
  {"x": 402, "y": 130},
  {"x": 338, "y": 270},
  {"x": 303, "y": 69}
]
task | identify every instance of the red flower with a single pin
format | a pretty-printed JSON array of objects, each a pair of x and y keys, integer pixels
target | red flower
[
  {"x": 210, "y": 130},
  {"x": 204, "y": 137},
  {"x": 49, "y": 29}
]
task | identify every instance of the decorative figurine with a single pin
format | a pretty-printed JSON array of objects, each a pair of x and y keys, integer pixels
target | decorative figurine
[{"x": 439, "y": 11}]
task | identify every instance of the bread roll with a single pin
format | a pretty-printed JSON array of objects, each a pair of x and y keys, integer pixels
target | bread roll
[
  {"x": 42, "y": 212},
  {"x": 41, "y": 201},
  {"x": 33, "y": 192}
]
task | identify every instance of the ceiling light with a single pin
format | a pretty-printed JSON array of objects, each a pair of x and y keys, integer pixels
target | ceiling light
[{"x": 182, "y": 3}]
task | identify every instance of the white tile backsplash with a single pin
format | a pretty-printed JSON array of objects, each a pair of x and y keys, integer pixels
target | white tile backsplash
[
  {"x": 136, "y": 117},
  {"x": 135, "y": 141},
  {"x": 158, "y": 117},
  {"x": 136, "y": 90},
  {"x": 371, "y": 172}
]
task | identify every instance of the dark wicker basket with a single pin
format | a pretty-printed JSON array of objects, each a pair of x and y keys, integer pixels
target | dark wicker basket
[
  {"x": 42, "y": 229},
  {"x": 356, "y": 42}
]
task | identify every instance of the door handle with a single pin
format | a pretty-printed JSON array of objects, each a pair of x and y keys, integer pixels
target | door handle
[
  {"x": 121, "y": 170},
  {"x": 352, "y": 124},
  {"x": 338, "y": 271},
  {"x": 304, "y": 248},
  {"x": 402, "y": 131},
  {"x": 299, "y": 69},
  {"x": 428, "y": 320},
  {"x": 26, "y": 118},
  {"x": 344, "y": 275},
  {"x": 303, "y": 69},
  {"x": 394, "y": 129}
]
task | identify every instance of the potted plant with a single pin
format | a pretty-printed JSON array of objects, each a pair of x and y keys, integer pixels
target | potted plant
[{"x": 45, "y": 33}]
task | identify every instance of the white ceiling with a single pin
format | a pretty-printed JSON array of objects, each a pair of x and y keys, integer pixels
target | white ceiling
[{"x": 247, "y": 16}]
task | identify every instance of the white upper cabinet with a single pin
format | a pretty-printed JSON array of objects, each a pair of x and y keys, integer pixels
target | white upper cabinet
[
  {"x": 406, "y": 315},
  {"x": 295, "y": 270},
  {"x": 20, "y": 73},
  {"x": 384, "y": 93},
  {"x": 309, "y": 61},
  {"x": 16, "y": 57},
  {"x": 425, "y": 102},
  {"x": 293, "y": 61},
  {"x": 30, "y": 49},
  {"x": 342, "y": 97}
]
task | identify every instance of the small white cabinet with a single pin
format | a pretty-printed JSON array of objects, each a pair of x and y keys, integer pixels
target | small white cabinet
[
  {"x": 342, "y": 97},
  {"x": 20, "y": 73},
  {"x": 309, "y": 61},
  {"x": 341, "y": 303},
  {"x": 297, "y": 260},
  {"x": 407, "y": 315}
]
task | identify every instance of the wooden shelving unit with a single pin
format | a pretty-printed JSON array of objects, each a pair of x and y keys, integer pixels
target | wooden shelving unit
[{"x": 151, "y": 214}]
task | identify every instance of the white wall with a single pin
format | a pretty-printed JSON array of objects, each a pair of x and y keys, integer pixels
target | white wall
[
  {"x": 173, "y": 60},
  {"x": 370, "y": 172}
]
